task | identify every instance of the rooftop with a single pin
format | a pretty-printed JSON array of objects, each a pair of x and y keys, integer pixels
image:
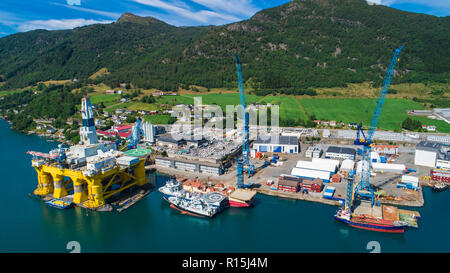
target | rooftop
[
  {"x": 341, "y": 150},
  {"x": 282, "y": 140}
]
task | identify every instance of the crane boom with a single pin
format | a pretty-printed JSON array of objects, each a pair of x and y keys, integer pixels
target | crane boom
[
  {"x": 363, "y": 188},
  {"x": 244, "y": 162}
]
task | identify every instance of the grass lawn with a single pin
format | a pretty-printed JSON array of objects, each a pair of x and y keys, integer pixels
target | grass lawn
[
  {"x": 361, "y": 110},
  {"x": 158, "y": 119},
  {"x": 289, "y": 107},
  {"x": 95, "y": 99}
]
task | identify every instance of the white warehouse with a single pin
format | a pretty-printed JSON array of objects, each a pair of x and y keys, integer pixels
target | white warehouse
[
  {"x": 277, "y": 144},
  {"x": 432, "y": 154}
]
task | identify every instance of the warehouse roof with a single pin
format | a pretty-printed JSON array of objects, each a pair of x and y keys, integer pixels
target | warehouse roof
[
  {"x": 280, "y": 140},
  {"x": 442, "y": 150},
  {"x": 341, "y": 150}
]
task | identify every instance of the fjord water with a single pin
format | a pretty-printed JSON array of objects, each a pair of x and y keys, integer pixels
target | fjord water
[{"x": 273, "y": 225}]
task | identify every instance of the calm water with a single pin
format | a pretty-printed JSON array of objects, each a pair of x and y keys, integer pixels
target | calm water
[{"x": 274, "y": 225}]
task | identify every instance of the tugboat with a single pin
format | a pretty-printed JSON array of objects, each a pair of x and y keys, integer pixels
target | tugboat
[
  {"x": 370, "y": 223},
  {"x": 439, "y": 186},
  {"x": 194, "y": 207}
]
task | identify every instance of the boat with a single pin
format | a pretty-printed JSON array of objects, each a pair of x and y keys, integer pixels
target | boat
[
  {"x": 369, "y": 222},
  {"x": 194, "y": 207},
  {"x": 439, "y": 186},
  {"x": 173, "y": 188},
  {"x": 241, "y": 198},
  {"x": 58, "y": 203}
]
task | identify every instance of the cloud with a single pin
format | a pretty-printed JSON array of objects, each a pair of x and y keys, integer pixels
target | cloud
[
  {"x": 55, "y": 24},
  {"x": 244, "y": 7},
  {"x": 108, "y": 14},
  {"x": 202, "y": 16},
  {"x": 435, "y": 4},
  {"x": 74, "y": 2}
]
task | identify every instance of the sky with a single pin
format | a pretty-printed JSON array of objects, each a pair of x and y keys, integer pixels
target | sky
[{"x": 25, "y": 15}]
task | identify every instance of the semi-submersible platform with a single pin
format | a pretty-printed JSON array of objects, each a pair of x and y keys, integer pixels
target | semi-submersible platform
[{"x": 89, "y": 173}]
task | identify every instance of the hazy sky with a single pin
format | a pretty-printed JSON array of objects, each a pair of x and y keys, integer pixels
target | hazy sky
[{"x": 25, "y": 15}]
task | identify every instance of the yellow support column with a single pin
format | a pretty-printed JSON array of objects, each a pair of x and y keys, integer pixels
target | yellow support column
[
  {"x": 59, "y": 188},
  {"x": 80, "y": 194},
  {"x": 45, "y": 183},
  {"x": 95, "y": 190},
  {"x": 139, "y": 173}
]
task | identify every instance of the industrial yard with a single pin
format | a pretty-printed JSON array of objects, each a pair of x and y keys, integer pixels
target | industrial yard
[{"x": 364, "y": 172}]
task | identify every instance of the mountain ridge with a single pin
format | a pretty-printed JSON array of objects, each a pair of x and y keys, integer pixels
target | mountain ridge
[{"x": 301, "y": 44}]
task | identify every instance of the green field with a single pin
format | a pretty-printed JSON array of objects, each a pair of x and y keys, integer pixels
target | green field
[
  {"x": 361, "y": 110},
  {"x": 158, "y": 119},
  {"x": 211, "y": 98},
  {"x": 95, "y": 99},
  {"x": 290, "y": 107}
]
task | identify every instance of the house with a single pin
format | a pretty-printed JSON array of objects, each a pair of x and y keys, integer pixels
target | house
[
  {"x": 333, "y": 123},
  {"x": 352, "y": 125},
  {"x": 431, "y": 128},
  {"x": 123, "y": 100},
  {"x": 110, "y": 92}
]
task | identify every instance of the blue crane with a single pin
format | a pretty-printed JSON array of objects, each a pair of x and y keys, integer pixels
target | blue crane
[
  {"x": 243, "y": 163},
  {"x": 363, "y": 188},
  {"x": 135, "y": 134}
]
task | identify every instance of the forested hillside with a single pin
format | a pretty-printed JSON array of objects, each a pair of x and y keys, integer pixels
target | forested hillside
[{"x": 290, "y": 48}]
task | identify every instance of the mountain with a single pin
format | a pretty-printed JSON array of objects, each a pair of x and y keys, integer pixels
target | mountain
[{"x": 301, "y": 44}]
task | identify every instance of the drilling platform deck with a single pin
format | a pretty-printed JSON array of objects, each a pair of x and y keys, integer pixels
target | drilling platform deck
[{"x": 89, "y": 173}]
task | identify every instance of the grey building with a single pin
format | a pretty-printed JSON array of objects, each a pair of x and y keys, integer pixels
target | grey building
[{"x": 340, "y": 152}]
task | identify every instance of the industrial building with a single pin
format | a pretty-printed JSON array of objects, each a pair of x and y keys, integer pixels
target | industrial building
[
  {"x": 314, "y": 152},
  {"x": 167, "y": 140},
  {"x": 320, "y": 166},
  {"x": 340, "y": 152},
  {"x": 189, "y": 165},
  {"x": 432, "y": 154},
  {"x": 388, "y": 167},
  {"x": 277, "y": 144},
  {"x": 289, "y": 183},
  {"x": 311, "y": 174},
  {"x": 440, "y": 175},
  {"x": 348, "y": 165},
  {"x": 314, "y": 185}
]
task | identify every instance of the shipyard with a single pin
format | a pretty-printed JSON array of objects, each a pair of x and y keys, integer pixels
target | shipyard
[
  {"x": 238, "y": 127},
  {"x": 367, "y": 174}
]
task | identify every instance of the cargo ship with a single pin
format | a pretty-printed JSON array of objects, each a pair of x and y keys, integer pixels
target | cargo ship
[
  {"x": 194, "y": 207},
  {"x": 369, "y": 222}
]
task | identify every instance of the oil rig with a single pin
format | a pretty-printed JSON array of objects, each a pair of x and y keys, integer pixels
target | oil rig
[{"x": 89, "y": 173}]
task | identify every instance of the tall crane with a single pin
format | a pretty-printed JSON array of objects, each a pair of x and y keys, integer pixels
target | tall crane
[
  {"x": 135, "y": 134},
  {"x": 363, "y": 187},
  {"x": 243, "y": 163}
]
